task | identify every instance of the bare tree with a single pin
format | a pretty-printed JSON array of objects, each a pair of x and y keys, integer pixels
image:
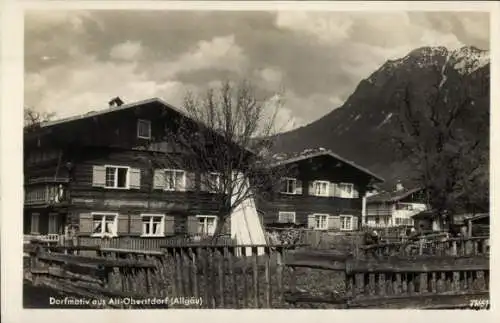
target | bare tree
[
  {"x": 445, "y": 139},
  {"x": 33, "y": 118},
  {"x": 227, "y": 139}
]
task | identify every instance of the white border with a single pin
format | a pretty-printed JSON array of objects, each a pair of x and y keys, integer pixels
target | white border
[{"x": 11, "y": 167}]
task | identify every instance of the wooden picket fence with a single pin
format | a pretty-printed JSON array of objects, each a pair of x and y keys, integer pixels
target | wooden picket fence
[
  {"x": 430, "y": 246},
  {"x": 431, "y": 282},
  {"x": 220, "y": 276}
]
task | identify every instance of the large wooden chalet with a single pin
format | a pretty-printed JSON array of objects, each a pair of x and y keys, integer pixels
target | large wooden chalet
[
  {"x": 320, "y": 190},
  {"x": 94, "y": 176}
]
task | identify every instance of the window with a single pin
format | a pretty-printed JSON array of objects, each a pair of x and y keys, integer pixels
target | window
[
  {"x": 403, "y": 221},
  {"x": 116, "y": 177},
  {"x": 346, "y": 190},
  {"x": 286, "y": 217},
  {"x": 53, "y": 226},
  {"x": 321, "y": 188},
  {"x": 321, "y": 221},
  {"x": 104, "y": 224},
  {"x": 35, "y": 222},
  {"x": 153, "y": 225},
  {"x": 214, "y": 182},
  {"x": 288, "y": 185},
  {"x": 206, "y": 224},
  {"x": 345, "y": 222},
  {"x": 143, "y": 129},
  {"x": 175, "y": 180}
]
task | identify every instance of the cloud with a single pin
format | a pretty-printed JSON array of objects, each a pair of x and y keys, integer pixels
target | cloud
[
  {"x": 77, "y": 60},
  {"x": 126, "y": 51}
]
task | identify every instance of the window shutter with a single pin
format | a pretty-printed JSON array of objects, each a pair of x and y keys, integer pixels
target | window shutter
[
  {"x": 190, "y": 181},
  {"x": 298, "y": 187},
  {"x": 159, "y": 179},
  {"x": 85, "y": 223},
  {"x": 355, "y": 192},
  {"x": 122, "y": 224},
  {"x": 135, "y": 224},
  {"x": 333, "y": 222},
  {"x": 169, "y": 225},
  {"x": 311, "y": 223},
  {"x": 192, "y": 225},
  {"x": 99, "y": 176},
  {"x": 203, "y": 182},
  {"x": 354, "y": 224},
  {"x": 135, "y": 178},
  {"x": 311, "y": 187},
  {"x": 333, "y": 189}
]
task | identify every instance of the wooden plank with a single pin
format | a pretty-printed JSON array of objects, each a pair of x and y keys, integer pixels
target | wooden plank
[
  {"x": 229, "y": 252},
  {"x": 221, "y": 276},
  {"x": 194, "y": 271},
  {"x": 255, "y": 271},
  {"x": 279, "y": 272},
  {"x": 246, "y": 294},
  {"x": 268, "y": 277},
  {"x": 205, "y": 264},
  {"x": 94, "y": 261}
]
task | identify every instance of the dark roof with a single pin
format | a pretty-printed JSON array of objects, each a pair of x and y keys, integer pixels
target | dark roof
[
  {"x": 478, "y": 216},
  {"x": 107, "y": 110},
  {"x": 393, "y": 196},
  {"x": 284, "y": 158},
  {"x": 428, "y": 214},
  {"x": 128, "y": 106}
]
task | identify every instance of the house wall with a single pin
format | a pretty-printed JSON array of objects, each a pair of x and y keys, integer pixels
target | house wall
[
  {"x": 305, "y": 204},
  {"x": 179, "y": 207}
]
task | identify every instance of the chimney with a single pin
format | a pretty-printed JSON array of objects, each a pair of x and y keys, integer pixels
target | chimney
[
  {"x": 399, "y": 186},
  {"x": 115, "y": 102}
]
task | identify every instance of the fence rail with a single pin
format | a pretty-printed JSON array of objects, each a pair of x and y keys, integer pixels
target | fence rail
[
  {"x": 222, "y": 276},
  {"x": 394, "y": 282}
]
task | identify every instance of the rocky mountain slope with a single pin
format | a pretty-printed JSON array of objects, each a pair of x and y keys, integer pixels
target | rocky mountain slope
[{"x": 360, "y": 129}]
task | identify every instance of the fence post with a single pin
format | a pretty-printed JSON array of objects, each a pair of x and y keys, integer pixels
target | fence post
[
  {"x": 230, "y": 252},
  {"x": 279, "y": 272},
  {"x": 268, "y": 276},
  {"x": 220, "y": 270},
  {"x": 255, "y": 270},
  {"x": 454, "y": 248},
  {"x": 421, "y": 246}
]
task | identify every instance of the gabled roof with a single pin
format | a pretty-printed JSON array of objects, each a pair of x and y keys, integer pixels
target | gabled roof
[
  {"x": 283, "y": 159},
  {"x": 126, "y": 106},
  {"x": 392, "y": 196}
]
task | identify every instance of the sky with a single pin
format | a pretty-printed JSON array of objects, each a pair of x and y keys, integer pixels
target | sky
[{"x": 76, "y": 61}]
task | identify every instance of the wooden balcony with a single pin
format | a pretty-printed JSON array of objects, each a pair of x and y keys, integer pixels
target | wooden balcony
[{"x": 45, "y": 194}]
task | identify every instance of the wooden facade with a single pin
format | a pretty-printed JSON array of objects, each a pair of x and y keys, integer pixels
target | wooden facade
[
  {"x": 327, "y": 196},
  {"x": 73, "y": 170}
]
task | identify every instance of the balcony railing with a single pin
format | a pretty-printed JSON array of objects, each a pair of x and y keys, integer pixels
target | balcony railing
[
  {"x": 49, "y": 238},
  {"x": 45, "y": 194}
]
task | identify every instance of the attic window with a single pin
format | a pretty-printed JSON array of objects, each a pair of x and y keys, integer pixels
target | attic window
[{"x": 143, "y": 129}]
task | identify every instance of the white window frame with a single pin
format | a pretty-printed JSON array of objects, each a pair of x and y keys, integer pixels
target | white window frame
[
  {"x": 127, "y": 181},
  {"x": 319, "y": 183},
  {"x": 342, "y": 223},
  {"x": 33, "y": 215},
  {"x": 351, "y": 185},
  {"x": 174, "y": 171},
  {"x": 283, "y": 213},
  {"x": 327, "y": 216},
  {"x": 115, "y": 224},
  {"x": 217, "y": 184},
  {"x": 162, "y": 225},
  {"x": 143, "y": 121},
  {"x": 294, "y": 185},
  {"x": 205, "y": 223}
]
